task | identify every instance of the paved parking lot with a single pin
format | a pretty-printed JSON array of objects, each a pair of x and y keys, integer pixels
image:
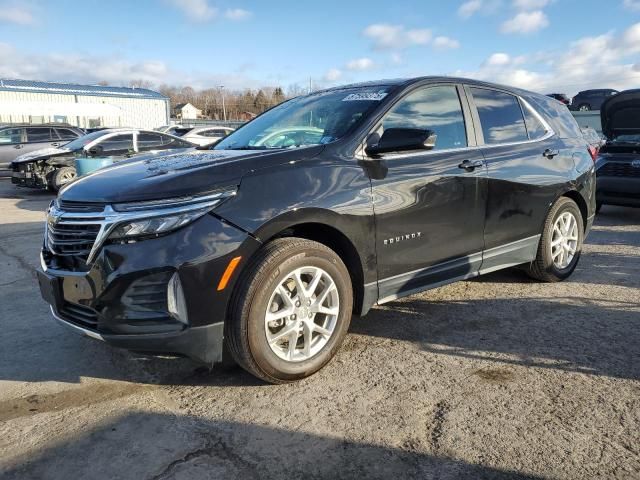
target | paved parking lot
[{"x": 499, "y": 377}]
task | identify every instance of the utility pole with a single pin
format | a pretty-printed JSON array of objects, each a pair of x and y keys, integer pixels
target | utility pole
[{"x": 224, "y": 108}]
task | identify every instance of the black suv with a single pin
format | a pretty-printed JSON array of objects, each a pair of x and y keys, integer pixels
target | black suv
[
  {"x": 618, "y": 165},
  {"x": 266, "y": 252},
  {"x": 591, "y": 99}
]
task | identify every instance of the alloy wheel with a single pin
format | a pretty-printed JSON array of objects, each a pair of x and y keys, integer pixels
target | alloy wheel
[
  {"x": 564, "y": 241},
  {"x": 302, "y": 314}
]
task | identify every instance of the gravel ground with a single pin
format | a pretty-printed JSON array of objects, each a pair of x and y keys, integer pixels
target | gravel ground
[{"x": 499, "y": 377}]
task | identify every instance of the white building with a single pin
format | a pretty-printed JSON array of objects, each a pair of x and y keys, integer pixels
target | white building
[
  {"x": 85, "y": 106},
  {"x": 186, "y": 111}
]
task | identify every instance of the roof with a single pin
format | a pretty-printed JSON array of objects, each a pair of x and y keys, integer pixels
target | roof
[
  {"x": 9, "y": 85},
  {"x": 182, "y": 105}
]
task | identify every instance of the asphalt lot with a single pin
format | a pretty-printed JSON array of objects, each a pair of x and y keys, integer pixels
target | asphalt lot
[{"x": 499, "y": 377}]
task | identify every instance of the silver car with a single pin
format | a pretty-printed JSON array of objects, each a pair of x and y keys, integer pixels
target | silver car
[
  {"x": 16, "y": 140},
  {"x": 207, "y": 135}
]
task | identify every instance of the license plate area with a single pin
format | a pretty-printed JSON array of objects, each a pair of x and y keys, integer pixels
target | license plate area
[{"x": 50, "y": 289}]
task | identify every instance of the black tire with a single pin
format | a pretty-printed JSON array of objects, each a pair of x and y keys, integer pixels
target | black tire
[
  {"x": 598, "y": 207},
  {"x": 584, "y": 107},
  {"x": 245, "y": 334},
  {"x": 62, "y": 176},
  {"x": 543, "y": 267}
]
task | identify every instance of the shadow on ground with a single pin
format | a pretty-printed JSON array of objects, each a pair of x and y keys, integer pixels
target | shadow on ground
[{"x": 166, "y": 446}]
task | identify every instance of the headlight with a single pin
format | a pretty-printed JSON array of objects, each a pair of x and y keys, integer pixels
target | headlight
[
  {"x": 139, "y": 219},
  {"x": 156, "y": 225}
]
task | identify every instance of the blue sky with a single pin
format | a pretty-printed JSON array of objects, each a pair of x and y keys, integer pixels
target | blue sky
[{"x": 560, "y": 45}]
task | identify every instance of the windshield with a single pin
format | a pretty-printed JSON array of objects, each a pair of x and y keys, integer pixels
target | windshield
[
  {"x": 78, "y": 143},
  {"x": 314, "y": 119}
]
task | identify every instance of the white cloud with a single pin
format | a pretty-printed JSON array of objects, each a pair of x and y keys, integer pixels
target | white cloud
[
  {"x": 526, "y": 22},
  {"x": 633, "y": 5},
  {"x": 333, "y": 75},
  {"x": 445, "y": 43},
  {"x": 600, "y": 61},
  {"x": 530, "y": 4},
  {"x": 196, "y": 10},
  {"x": 17, "y": 13},
  {"x": 237, "y": 14},
  {"x": 360, "y": 64},
  {"x": 386, "y": 36},
  {"x": 498, "y": 59},
  {"x": 467, "y": 9}
]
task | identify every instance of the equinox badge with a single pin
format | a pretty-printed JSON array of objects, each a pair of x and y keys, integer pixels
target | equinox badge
[{"x": 401, "y": 238}]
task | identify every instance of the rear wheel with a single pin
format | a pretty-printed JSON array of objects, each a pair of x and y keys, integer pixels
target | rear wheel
[
  {"x": 62, "y": 176},
  {"x": 584, "y": 107},
  {"x": 561, "y": 243},
  {"x": 291, "y": 311}
]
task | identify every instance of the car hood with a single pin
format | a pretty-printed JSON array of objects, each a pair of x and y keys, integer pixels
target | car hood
[
  {"x": 176, "y": 174},
  {"x": 42, "y": 154},
  {"x": 620, "y": 114}
]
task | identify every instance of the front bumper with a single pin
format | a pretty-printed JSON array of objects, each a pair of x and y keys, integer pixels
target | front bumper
[{"x": 121, "y": 298}]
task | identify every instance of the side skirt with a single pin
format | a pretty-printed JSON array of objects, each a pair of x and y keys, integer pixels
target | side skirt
[{"x": 497, "y": 258}]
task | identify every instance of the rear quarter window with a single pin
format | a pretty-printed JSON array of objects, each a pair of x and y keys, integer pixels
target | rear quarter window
[{"x": 558, "y": 116}]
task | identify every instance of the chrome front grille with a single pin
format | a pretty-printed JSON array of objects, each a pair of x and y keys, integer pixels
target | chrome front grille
[
  {"x": 71, "y": 238},
  {"x": 73, "y": 206}
]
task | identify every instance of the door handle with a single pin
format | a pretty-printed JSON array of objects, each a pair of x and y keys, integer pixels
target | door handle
[
  {"x": 18, "y": 147},
  {"x": 550, "y": 153},
  {"x": 471, "y": 165}
]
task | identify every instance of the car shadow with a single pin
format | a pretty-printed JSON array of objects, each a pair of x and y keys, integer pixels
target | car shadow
[{"x": 160, "y": 446}]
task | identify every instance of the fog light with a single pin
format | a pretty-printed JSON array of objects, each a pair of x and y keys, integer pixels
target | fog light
[{"x": 176, "y": 303}]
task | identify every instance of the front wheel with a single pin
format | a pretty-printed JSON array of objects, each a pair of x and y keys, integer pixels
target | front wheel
[
  {"x": 560, "y": 244},
  {"x": 291, "y": 311},
  {"x": 62, "y": 176}
]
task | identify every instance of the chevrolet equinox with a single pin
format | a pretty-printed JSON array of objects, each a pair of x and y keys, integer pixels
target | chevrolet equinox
[{"x": 264, "y": 250}]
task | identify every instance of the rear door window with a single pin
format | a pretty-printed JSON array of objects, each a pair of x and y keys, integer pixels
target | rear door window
[
  {"x": 149, "y": 141},
  {"x": 500, "y": 116},
  {"x": 434, "y": 108},
  {"x": 38, "y": 134},
  {"x": 10, "y": 136},
  {"x": 66, "y": 134},
  {"x": 119, "y": 144}
]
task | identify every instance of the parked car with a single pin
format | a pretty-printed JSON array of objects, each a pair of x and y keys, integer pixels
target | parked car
[
  {"x": 16, "y": 140},
  {"x": 591, "y": 99},
  {"x": 618, "y": 164},
  {"x": 207, "y": 135},
  {"x": 561, "y": 97},
  {"x": 176, "y": 130},
  {"x": 54, "y": 167},
  {"x": 270, "y": 250}
]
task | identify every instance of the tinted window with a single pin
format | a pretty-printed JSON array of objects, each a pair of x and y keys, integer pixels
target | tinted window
[
  {"x": 118, "y": 143},
  {"x": 148, "y": 141},
  {"x": 172, "y": 142},
  {"x": 535, "y": 129},
  {"x": 66, "y": 134},
  {"x": 38, "y": 134},
  {"x": 500, "y": 116},
  {"x": 432, "y": 108},
  {"x": 213, "y": 133},
  {"x": 10, "y": 135}
]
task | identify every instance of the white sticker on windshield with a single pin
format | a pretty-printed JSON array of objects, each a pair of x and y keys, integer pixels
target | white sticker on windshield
[{"x": 368, "y": 96}]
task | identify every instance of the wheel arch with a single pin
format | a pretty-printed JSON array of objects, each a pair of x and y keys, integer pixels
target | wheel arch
[
  {"x": 582, "y": 205},
  {"x": 321, "y": 229}
]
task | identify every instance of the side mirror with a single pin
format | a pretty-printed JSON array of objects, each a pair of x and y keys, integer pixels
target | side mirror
[{"x": 400, "y": 140}]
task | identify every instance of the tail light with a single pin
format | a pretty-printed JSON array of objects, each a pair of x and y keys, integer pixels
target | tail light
[{"x": 593, "y": 151}]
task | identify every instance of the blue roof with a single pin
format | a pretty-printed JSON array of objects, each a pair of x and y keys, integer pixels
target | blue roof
[{"x": 8, "y": 85}]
